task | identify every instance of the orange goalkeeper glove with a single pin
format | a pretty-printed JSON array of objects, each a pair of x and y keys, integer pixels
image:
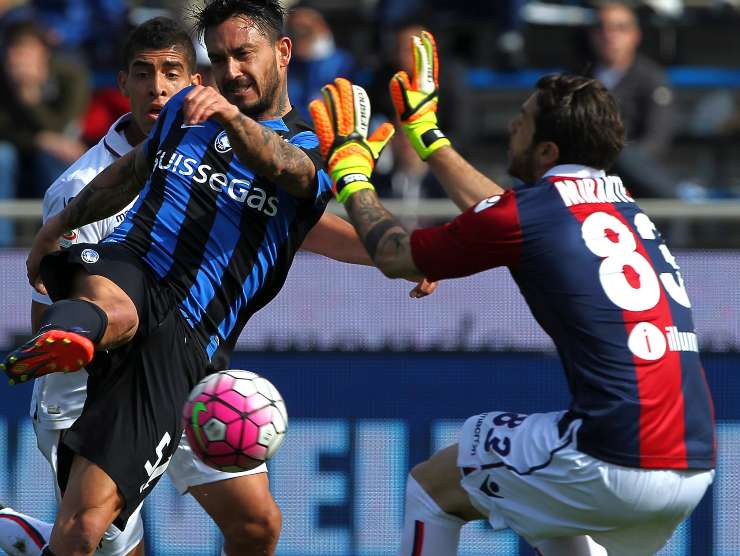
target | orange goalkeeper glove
[
  {"x": 341, "y": 120},
  {"x": 416, "y": 101}
]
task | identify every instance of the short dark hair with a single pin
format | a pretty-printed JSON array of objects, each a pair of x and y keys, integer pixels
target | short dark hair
[
  {"x": 580, "y": 116},
  {"x": 157, "y": 34},
  {"x": 18, "y": 30},
  {"x": 267, "y": 15}
]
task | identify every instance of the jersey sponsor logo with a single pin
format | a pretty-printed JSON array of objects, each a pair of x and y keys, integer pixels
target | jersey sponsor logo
[
  {"x": 222, "y": 143},
  {"x": 90, "y": 256},
  {"x": 241, "y": 191},
  {"x": 593, "y": 190},
  {"x": 487, "y": 203},
  {"x": 648, "y": 342}
]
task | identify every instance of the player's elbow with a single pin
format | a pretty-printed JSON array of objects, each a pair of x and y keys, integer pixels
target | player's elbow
[{"x": 396, "y": 268}]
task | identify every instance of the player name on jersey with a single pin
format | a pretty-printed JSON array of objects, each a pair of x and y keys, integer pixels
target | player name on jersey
[{"x": 608, "y": 189}]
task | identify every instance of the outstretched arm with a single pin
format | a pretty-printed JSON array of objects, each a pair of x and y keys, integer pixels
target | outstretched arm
[
  {"x": 464, "y": 185},
  {"x": 335, "y": 238},
  {"x": 257, "y": 146},
  {"x": 384, "y": 238},
  {"x": 108, "y": 193},
  {"x": 415, "y": 101}
]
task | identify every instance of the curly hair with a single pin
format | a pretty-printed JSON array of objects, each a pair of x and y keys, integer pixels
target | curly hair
[{"x": 580, "y": 116}]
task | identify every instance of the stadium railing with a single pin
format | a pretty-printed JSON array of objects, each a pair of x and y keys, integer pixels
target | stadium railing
[{"x": 667, "y": 209}]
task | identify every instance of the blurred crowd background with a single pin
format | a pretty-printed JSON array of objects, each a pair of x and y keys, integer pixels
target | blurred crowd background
[{"x": 673, "y": 66}]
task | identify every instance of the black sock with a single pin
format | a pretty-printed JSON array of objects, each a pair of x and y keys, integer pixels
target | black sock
[
  {"x": 78, "y": 316},
  {"x": 47, "y": 551}
]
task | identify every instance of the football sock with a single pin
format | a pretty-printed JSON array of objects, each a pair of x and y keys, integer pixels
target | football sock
[
  {"x": 570, "y": 546},
  {"x": 78, "y": 316},
  {"x": 427, "y": 530},
  {"x": 22, "y": 535}
]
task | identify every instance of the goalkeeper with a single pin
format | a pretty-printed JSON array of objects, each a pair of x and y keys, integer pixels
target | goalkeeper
[{"x": 633, "y": 455}]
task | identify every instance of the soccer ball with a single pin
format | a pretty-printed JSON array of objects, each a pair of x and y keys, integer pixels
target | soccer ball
[{"x": 234, "y": 420}]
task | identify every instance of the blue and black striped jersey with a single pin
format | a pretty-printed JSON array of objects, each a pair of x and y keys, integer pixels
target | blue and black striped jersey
[{"x": 220, "y": 236}]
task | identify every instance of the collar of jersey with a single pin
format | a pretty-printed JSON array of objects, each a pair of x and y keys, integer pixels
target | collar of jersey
[
  {"x": 116, "y": 140},
  {"x": 275, "y": 125},
  {"x": 574, "y": 171}
]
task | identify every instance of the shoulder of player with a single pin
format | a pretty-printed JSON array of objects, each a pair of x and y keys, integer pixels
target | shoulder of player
[
  {"x": 81, "y": 172},
  {"x": 298, "y": 131},
  {"x": 115, "y": 141}
]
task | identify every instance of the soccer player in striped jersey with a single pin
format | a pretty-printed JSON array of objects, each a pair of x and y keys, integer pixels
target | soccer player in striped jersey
[
  {"x": 159, "y": 62},
  {"x": 229, "y": 189},
  {"x": 633, "y": 455}
]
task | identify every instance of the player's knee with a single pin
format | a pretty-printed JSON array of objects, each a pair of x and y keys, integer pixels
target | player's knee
[
  {"x": 257, "y": 528},
  {"x": 81, "y": 535}
]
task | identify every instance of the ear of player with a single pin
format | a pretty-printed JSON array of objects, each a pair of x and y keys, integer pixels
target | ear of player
[
  {"x": 341, "y": 120},
  {"x": 416, "y": 101}
]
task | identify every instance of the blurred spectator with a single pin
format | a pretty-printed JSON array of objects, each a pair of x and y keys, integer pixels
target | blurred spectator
[
  {"x": 43, "y": 99},
  {"x": 107, "y": 104},
  {"x": 645, "y": 100},
  {"x": 316, "y": 59},
  {"x": 505, "y": 14},
  {"x": 12, "y": 11},
  {"x": 84, "y": 26}
]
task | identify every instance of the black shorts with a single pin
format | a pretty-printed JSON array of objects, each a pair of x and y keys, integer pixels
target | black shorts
[{"x": 132, "y": 419}]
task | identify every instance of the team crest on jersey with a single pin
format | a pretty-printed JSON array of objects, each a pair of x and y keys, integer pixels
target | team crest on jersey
[
  {"x": 222, "y": 143},
  {"x": 90, "y": 256}
]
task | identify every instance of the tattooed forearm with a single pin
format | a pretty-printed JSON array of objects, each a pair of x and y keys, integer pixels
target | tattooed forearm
[
  {"x": 111, "y": 191},
  {"x": 383, "y": 236},
  {"x": 270, "y": 156}
]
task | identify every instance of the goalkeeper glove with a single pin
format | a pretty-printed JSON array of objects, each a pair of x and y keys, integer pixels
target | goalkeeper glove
[
  {"x": 341, "y": 120},
  {"x": 416, "y": 102}
]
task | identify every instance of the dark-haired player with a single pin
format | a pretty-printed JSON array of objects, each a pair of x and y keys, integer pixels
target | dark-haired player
[
  {"x": 633, "y": 455},
  {"x": 225, "y": 202}
]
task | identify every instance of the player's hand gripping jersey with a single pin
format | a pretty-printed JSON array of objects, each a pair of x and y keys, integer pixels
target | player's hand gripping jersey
[
  {"x": 599, "y": 279},
  {"x": 220, "y": 237}
]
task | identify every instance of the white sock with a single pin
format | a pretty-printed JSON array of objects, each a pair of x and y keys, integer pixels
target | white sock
[
  {"x": 571, "y": 546},
  {"x": 22, "y": 535},
  {"x": 427, "y": 530}
]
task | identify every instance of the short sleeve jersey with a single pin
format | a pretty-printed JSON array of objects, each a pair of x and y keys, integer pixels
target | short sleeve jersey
[
  {"x": 600, "y": 280},
  {"x": 220, "y": 236},
  {"x": 58, "y": 398}
]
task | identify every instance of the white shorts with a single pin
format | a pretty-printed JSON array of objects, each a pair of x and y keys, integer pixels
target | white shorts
[
  {"x": 522, "y": 473},
  {"x": 185, "y": 469},
  {"x": 115, "y": 542}
]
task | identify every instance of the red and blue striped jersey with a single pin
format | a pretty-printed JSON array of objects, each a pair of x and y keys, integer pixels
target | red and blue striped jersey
[{"x": 600, "y": 280}]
